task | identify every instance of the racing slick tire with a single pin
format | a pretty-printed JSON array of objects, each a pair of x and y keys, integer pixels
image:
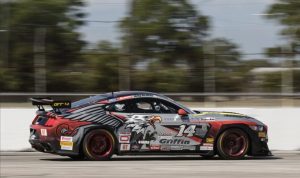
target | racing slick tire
[
  {"x": 99, "y": 145},
  {"x": 233, "y": 144}
]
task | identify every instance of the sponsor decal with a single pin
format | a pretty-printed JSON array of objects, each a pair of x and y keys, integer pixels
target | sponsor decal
[
  {"x": 135, "y": 147},
  {"x": 124, "y": 97},
  {"x": 125, "y": 147},
  {"x": 189, "y": 148},
  {"x": 144, "y": 142},
  {"x": 44, "y": 132},
  {"x": 207, "y": 148},
  {"x": 208, "y": 144},
  {"x": 154, "y": 147},
  {"x": 208, "y": 118},
  {"x": 66, "y": 139},
  {"x": 174, "y": 141},
  {"x": 169, "y": 119},
  {"x": 61, "y": 104},
  {"x": 176, "y": 147},
  {"x": 165, "y": 137},
  {"x": 166, "y": 133},
  {"x": 124, "y": 138},
  {"x": 210, "y": 140},
  {"x": 262, "y": 134},
  {"x": 165, "y": 148},
  {"x": 66, "y": 143},
  {"x": 194, "y": 120},
  {"x": 219, "y": 113}
]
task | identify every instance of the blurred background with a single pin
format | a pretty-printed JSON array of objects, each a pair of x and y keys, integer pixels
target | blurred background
[{"x": 206, "y": 53}]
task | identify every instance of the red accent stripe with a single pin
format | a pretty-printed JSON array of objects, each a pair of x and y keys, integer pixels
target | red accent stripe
[{"x": 118, "y": 116}]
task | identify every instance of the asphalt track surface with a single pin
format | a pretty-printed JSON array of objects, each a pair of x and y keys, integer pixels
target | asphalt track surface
[{"x": 22, "y": 164}]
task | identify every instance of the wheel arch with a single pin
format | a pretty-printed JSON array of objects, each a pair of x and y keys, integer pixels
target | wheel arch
[
  {"x": 243, "y": 127},
  {"x": 90, "y": 128}
]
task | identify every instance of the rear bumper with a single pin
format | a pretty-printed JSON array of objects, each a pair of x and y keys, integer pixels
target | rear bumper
[
  {"x": 43, "y": 146},
  {"x": 42, "y": 143},
  {"x": 49, "y": 144},
  {"x": 51, "y": 147}
]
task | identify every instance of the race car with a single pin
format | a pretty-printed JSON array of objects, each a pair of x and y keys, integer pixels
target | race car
[{"x": 140, "y": 123}]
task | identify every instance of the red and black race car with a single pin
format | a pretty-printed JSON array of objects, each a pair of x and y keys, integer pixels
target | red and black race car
[{"x": 138, "y": 122}]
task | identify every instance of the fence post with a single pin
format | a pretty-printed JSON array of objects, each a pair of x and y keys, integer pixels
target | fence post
[
  {"x": 209, "y": 74},
  {"x": 39, "y": 60},
  {"x": 287, "y": 82},
  {"x": 124, "y": 73}
]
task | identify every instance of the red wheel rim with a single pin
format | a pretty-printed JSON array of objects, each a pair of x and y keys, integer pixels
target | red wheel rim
[
  {"x": 234, "y": 144},
  {"x": 100, "y": 144}
]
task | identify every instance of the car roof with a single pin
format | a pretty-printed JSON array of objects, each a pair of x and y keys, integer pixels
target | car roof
[
  {"x": 113, "y": 95},
  {"x": 127, "y": 93}
]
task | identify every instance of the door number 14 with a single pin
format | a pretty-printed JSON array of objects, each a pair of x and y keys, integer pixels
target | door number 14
[{"x": 183, "y": 129}]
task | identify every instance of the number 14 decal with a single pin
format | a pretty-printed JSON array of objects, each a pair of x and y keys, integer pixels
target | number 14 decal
[{"x": 190, "y": 130}]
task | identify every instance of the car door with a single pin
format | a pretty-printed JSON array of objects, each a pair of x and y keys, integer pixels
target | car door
[
  {"x": 178, "y": 132},
  {"x": 152, "y": 124},
  {"x": 139, "y": 127}
]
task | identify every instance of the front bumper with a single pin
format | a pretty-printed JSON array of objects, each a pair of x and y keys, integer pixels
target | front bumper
[
  {"x": 259, "y": 144},
  {"x": 259, "y": 148}
]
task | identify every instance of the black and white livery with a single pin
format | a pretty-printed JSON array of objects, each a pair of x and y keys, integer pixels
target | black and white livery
[{"x": 138, "y": 122}]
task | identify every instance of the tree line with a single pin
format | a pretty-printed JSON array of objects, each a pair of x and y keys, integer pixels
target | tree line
[{"x": 165, "y": 46}]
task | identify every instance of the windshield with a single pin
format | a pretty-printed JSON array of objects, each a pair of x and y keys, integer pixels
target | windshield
[{"x": 178, "y": 104}]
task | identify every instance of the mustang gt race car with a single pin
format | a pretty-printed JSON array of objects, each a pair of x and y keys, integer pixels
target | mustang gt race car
[{"x": 137, "y": 122}]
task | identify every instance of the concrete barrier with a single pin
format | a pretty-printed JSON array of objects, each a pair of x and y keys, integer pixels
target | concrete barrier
[{"x": 283, "y": 123}]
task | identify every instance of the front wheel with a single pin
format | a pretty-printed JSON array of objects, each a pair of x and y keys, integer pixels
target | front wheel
[
  {"x": 99, "y": 145},
  {"x": 233, "y": 144}
]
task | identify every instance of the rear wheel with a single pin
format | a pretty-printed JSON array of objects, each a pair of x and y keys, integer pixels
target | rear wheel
[
  {"x": 233, "y": 144},
  {"x": 99, "y": 145}
]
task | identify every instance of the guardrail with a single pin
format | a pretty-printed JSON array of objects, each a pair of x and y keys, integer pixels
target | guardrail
[
  {"x": 23, "y": 97},
  {"x": 163, "y": 93}
]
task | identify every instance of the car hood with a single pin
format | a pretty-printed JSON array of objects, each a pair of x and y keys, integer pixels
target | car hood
[{"x": 224, "y": 116}]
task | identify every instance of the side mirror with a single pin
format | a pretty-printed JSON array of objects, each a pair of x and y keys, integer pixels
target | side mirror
[{"x": 182, "y": 112}]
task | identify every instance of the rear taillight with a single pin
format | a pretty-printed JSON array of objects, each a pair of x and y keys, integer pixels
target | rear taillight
[{"x": 50, "y": 122}]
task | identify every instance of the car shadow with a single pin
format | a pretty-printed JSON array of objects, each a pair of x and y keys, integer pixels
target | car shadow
[{"x": 165, "y": 158}]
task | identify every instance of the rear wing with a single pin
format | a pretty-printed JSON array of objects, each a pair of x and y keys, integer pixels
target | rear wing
[{"x": 56, "y": 105}]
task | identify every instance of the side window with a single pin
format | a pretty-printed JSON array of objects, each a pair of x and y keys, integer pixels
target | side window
[
  {"x": 153, "y": 105},
  {"x": 143, "y": 105},
  {"x": 162, "y": 106},
  {"x": 122, "y": 106},
  {"x": 131, "y": 106}
]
